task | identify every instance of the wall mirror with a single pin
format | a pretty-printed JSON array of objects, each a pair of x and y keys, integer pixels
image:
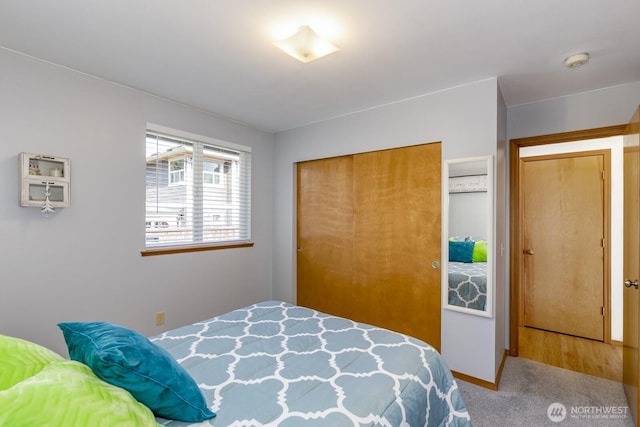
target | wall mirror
[{"x": 467, "y": 260}]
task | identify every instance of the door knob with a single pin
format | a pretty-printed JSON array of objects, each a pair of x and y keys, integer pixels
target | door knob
[
  {"x": 628, "y": 283},
  {"x": 528, "y": 252}
]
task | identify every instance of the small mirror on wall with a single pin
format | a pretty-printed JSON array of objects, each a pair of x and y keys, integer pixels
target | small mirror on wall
[{"x": 467, "y": 274}]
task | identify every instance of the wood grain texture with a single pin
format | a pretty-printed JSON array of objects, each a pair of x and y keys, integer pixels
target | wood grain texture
[
  {"x": 579, "y": 135},
  {"x": 195, "y": 248},
  {"x": 631, "y": 263},
  {"x": 564, "y": 225},
  {"x": 397, "y": 236},
  {"x": 515, "y": 253},
  {"x": 576, "y": 354},
  {"x": 325, "y": 235},
  {"x": 368, "y": 232}
]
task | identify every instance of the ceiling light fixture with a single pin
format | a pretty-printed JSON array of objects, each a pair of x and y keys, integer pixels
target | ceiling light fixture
[
  {"x": 576, "y": 60},
  {"x": 305, "y": 45}
]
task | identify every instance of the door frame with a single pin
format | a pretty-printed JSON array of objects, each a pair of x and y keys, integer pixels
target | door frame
[{"x": 515, "y": 215}]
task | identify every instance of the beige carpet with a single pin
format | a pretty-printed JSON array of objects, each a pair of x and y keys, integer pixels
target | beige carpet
[{"x": 528, "y": 389}]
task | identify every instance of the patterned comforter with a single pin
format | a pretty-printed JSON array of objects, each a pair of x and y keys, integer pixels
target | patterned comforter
[
  {"x": 276, "y": 364},
  {"x": 468, "y": 284}
]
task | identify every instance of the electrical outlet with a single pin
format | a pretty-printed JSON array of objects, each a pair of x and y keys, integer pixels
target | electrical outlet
[{"x": 160, "y": 318}]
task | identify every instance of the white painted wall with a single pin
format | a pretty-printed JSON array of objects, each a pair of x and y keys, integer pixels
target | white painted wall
[
  {"x": 599, "y": 108},
  {"x": 83, "y": 262},
  {"x": 468, "y": 215},
  {"x": 501, "y": 213},
  {"x": 464, "y": 119}
]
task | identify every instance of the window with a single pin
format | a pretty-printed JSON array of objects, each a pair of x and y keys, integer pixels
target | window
[
  {"x": 197, "y": 190},
  {"x": 176, "y": 171},
  {"x": 211, "y": 172}
]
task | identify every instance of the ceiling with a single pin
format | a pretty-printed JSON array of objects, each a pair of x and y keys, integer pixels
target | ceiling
[{"x": 218, "y": 55}]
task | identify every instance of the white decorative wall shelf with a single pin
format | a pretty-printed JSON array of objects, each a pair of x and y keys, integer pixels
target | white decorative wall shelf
[
  {"x": 468, "y": 184},
  {"x": 44, "y": 181}
]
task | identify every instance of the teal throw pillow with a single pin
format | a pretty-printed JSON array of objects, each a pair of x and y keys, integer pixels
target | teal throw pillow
[
  {"x": 461, "y": 251},
  {"x": 129, "y": 360},
  {"x": 480, "y": 251}
]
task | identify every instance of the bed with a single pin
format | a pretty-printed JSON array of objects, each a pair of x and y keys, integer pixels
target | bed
[
  {"x": 277, "y": 364},
  {"x": 268, "y": 364},
  {"x": 468, "y": 285}
]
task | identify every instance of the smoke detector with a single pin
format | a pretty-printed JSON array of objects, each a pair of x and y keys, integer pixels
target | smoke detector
[{"x": 576, "y": 60}]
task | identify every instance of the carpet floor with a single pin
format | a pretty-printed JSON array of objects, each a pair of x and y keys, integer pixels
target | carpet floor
[{"x": 534, "y": 394}]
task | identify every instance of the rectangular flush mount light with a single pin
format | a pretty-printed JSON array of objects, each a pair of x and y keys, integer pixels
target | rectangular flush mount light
[{"x": 305, "y": 45}]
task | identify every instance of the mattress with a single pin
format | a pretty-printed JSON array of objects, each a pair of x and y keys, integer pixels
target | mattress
[
  {"x": 276, "y": 364},
  {"x": 468, "y": 285}
]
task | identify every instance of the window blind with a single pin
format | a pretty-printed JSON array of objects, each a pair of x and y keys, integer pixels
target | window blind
[{"x": 197, "y": 191}]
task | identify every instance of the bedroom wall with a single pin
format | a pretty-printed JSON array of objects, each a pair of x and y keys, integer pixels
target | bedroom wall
[
  {"x": 467, "y": 218},
  {"x": 83, "y": 262},
  {"x": 501, "y": 265},
  {"x": 604, "y": 107},
  {"x": 599, "y": 108},
  {"x": 464, "y": 119}
]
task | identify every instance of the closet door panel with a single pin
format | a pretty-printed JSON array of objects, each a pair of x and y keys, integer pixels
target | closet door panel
[
  {"x": 397, "y": 199},
  {"x": 325, "y": 235}
]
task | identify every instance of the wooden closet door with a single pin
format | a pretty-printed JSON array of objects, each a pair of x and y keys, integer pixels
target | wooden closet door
[
  {"x": 325, "y": 235},
  {"x": 397, "y": 237},
  {"x": 368, "y": 232}
]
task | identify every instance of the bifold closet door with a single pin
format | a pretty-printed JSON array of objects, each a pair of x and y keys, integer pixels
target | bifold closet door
[{"x": 368, "y": 235}]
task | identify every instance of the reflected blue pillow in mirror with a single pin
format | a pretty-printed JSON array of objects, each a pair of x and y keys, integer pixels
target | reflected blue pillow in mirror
[{"x": 461, "y": 251}]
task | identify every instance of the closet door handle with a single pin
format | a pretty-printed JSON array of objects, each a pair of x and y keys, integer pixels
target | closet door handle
[
  {"x": 628, "y": 283},
  {"x": 528, "y": 252}
]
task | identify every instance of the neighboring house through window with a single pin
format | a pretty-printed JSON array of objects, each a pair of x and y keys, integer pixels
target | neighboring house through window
[
  {"x": 212, "y": 172},
  {"x": 176, "y": 171},
  {"x": 197, "y": 189}
]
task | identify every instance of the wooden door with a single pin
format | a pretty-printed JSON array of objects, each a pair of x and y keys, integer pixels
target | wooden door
[
  {"x": 325, "y": 235},
  {"x": 397, "y": 237},
  {"x": 631, "y": 263},
  {"x": 563, "y": 221},
  {"x": 368, "y": 233}
]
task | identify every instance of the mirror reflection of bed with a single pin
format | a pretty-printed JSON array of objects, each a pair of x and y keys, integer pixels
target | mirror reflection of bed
[{"x": 468, "y": 229}]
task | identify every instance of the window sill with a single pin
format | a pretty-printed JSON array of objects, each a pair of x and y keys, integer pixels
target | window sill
[{"x": 198, "y": 248}]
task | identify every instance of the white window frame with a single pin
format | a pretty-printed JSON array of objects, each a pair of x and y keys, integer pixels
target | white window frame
[
  {"x": 214, "y": 175},
  {"x": 241, "y": 170},
  {"x": 182, "y": 171}
]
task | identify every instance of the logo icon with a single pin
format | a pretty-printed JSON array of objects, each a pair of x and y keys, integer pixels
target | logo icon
[{"x": 556, "y": 412}]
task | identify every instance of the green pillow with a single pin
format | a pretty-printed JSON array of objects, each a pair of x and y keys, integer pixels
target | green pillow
[
  {"x": 21, "y": 359},
  {"x": 66, "y": 394},
  {"x": 129, "y": 360},
  {"x": 480, "y": 251}
]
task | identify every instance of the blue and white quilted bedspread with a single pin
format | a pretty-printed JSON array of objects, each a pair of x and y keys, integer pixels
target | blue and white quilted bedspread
[
  {"x": 468, "y": 285},
  {"x": 276, "y": 364}
]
